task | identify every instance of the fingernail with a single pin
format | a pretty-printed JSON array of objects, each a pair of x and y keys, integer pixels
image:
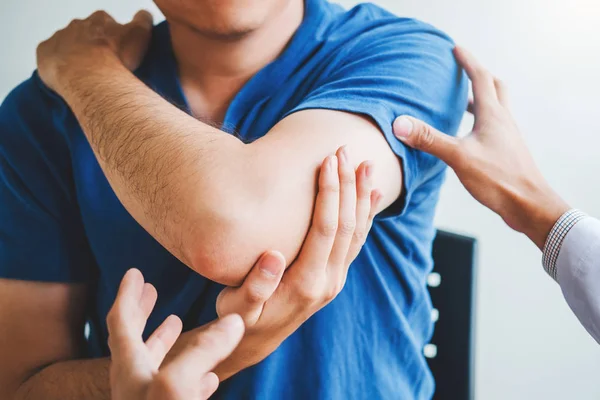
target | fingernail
[
  {"x": 271, "y": 265},
  {"x": 402, "y": 127}
]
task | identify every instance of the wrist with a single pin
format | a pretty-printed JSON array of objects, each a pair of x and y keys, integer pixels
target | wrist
[
  {"x": 537, "y": 213},
  {"x": 70, "y": 74}
]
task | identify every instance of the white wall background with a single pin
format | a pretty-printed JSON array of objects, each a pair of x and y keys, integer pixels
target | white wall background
[{"x": 529, "y": 345}]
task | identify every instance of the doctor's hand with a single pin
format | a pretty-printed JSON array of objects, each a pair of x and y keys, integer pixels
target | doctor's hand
[
  {"x": 279, "y": 303},
  {"x": 137, "y": 370},
  {"x": 492, "y": 162}
]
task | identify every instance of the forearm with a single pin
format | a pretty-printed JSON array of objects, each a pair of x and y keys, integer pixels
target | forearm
[
  {"x": 213, "y": 201},
  {"x": 166, "y": 168},
  {"x": 68, "y": 380}
]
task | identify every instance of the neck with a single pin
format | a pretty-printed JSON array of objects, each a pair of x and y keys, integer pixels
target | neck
[{"x": 216, "y": 67}]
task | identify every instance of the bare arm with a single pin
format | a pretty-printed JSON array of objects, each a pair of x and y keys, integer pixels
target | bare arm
[
  {"x": 201, "y": 192},
  {"x": 41, "y": 334}
]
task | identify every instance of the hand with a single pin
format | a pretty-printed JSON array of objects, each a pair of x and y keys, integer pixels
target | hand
[
  {"x": 136, "y": 372},
  {"x": 86, "y": 43},
  {"x": 492, "y": 162},
  {"x": 342, "y": 218}
]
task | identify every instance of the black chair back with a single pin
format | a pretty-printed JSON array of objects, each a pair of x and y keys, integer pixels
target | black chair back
[{"x": 452, "y": 287}]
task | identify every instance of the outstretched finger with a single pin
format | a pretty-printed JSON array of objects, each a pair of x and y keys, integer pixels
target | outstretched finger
[
  {"x": 484, "y": 91},
  {"x": 421, "y": 136},
  {"x": 347, "y": 211},
  {"x": 202, "y": 355},
  {"x": 125, "y": 321},
  {"x": 364, "y": 185},
  {"x": 163, "y": 338},
  {"x": 321, "y": 235}
]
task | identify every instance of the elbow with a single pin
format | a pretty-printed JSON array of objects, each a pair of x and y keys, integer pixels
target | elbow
[{"x": 220, "y": 245}]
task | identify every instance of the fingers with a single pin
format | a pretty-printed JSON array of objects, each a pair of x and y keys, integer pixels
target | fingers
[
  {"x": 141, "y": 24},
  {"x": 100, "y": 18},
  {"x": 376, "y": 198},
  {"x": 502, "y": 92},
  {"x": 248, "y": 300},
  {"x": 147, "y": 300},
  {"x": 186, "y": 373},
  {"x": 144, "y": 18},
  {"x": 364, "y": 184},
  {"x": 163, "y": 338},
  {"x": 321, "y": 235},
  {"x": 347, "y": 208},
  {"x": 208, "y": 385},
  {"x": 421, "y": 136},
  {"x": 125, "y": 320},
  {"x": 484, "y": 91},
  {"x": 135, "y": 39}
]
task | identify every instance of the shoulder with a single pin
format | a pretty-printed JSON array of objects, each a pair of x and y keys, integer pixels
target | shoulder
[
  {"x": 369, "y": 25},
  {"x": 404, "y": 52}
]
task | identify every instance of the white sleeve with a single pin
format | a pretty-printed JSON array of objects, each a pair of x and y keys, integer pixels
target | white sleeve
[{"x": 577, "y": 270}]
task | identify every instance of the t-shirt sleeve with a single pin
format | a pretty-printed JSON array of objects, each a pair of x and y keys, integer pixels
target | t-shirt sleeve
[
  {"x": 41, "y": 232},
  {"x": 396, "y": 67}
]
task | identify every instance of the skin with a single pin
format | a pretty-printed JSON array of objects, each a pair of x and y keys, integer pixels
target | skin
[
  {"x": 196, "y": 189},
  {"x": 105, "y": 52},
  {"x": 272, "y": 304},
  {"x": 136, "y": 371},
  {"x": 271, "y": 308},
  {"x": 492, "y": 162}
]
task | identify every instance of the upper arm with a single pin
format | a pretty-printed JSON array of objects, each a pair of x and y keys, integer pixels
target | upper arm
[
  {"x": 40, "y": 324},
  {"x": 404, "y": 69},
  {"x": 44, "y": 256}
]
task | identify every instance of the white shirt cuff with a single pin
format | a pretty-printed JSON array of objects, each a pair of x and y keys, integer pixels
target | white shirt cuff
[{"x": 556, "y": 237}]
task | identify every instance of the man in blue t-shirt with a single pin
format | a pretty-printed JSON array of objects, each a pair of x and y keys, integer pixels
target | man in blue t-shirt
[{"x": 99, "y": 172}]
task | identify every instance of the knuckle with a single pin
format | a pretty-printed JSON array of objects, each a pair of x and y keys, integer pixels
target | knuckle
[
  {"x": 424, "y": 138},
  {"x": 255, "y": 294},
  {"x": 307, "y": 294},
  {"x": 327, "y": 228},
  {"x": 348, "y": 178},
  {"x": 330, "y": 187},
  {"x": 112, "y": 318},
  {"x": 346, "y": 227},
  {"x": 99, "y": 15},
  {"x": 333, "y": 291},
  {"x": 360, "y": 235}
]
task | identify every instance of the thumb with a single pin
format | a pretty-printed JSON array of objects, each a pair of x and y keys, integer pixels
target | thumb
[
  {"x": 258, "y": 287},
  {"x": 419, "y": 135},
  {"x": 135, "y": 39}
]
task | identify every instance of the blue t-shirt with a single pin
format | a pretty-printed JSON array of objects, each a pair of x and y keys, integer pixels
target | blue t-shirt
[{"x": 61, "y": 222}]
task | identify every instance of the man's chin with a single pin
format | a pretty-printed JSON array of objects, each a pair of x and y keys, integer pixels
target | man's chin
[{"x": 216, "y": 32}]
